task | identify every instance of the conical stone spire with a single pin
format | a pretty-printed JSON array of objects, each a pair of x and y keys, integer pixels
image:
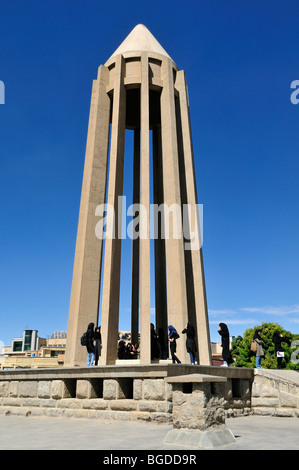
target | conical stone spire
[{"x": 140, "y": 39}]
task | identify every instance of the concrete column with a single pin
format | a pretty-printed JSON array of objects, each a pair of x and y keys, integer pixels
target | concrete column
[
  {"x": 200, "y": 301},
  {"x": 135, "y": 243},
  {"x": 84, "y": 300},
  {"x": 175, "y": 263},
  {"x": 111, "y": 280},
  {"x": 145, "y": 306},
  {"x": 160, "y": 262}
]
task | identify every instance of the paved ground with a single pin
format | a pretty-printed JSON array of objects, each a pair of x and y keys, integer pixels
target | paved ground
[{"x": 43, "y": 433}]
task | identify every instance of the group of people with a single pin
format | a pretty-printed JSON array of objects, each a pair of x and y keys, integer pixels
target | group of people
[
  {"x": 93, "y": 344},
  {"x": 127, "y": 350},
  {"x": 278, "y": 339},
  {"x": 159, "y": 348},
  {"x": 258, "y": 342}
]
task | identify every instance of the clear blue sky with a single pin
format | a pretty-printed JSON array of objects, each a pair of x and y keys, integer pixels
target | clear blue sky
[{"x": 240, "y": 59}]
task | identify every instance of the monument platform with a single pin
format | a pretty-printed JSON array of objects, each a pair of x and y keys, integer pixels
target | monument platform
[{"x": 144, "y": 392}]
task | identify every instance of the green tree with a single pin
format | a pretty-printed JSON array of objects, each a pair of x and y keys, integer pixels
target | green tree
[{"x": 246, "y": 358}]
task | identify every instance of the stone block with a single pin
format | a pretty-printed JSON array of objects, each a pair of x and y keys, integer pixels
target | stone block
[
  {"x": 161, "y": 418},
  {"x": 154, "y": 389},
  {"x": 11, "y": 401},
  {"x": 31, "y": 402},
  {"x": 95, "y": 404},
  {"x": 264, "y": 402},
  {"x": 14, "y": 388},
  {"x": 200, "y": 439},
  {"x": 44, "y": 389},
  {"x": 178, "y": 398},
  {"x": 110, "y": 389},
  {"x": 83, "y": 389},
  {"x": 140, "y": 416},
  {"x": 123, "y": 405},
  {"x": 62, "y": 389},
  {"x": 72, "y": 403},
  {"x": 288, "y": 400},
  {"x": 137, "y": 389},
  {"x": 28, "y": 388},
  {"x": 4, "y": 387},
  {"x": 48, "y": 403},
  {"x": 147, "y": 405},
  {"x": 165, "y": 407},
  {"x": 285, "y": 412},
  {"x": 121, "y": 415}
]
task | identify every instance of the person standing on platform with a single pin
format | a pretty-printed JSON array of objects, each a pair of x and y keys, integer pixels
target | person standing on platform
[
  {"x": 278, "y": 338},
  {"x": 226, "y": 354},
  {"x": 89, "y": 344},
  {"x": 259, "y": 348},
  {"x": 190, "y": 341},
  {"x": 97, "y": 344},
  {"x": 173, "y": 336}
]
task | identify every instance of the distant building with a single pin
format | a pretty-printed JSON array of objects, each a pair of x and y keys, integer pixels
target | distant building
[
  {"x": 28, "y": 342},
  {"x": 31, "y": 351}
]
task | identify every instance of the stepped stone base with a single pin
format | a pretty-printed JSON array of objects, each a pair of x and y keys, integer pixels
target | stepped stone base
[{"x": 201, "y": 439}]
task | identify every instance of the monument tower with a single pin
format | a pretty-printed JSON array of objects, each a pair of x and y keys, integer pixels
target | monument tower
[{"x": 139, "y": 88}]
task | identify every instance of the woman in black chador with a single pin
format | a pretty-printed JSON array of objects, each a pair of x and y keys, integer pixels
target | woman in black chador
[
  {"x": 278, "y": 338},
  {"x": 89, "y": 344},
  {"x": 190, "y": 341},
  {"x": 97, "y": 344},
  {"x": 173, "y": 336},
  {"x": 226, "y": 354}
]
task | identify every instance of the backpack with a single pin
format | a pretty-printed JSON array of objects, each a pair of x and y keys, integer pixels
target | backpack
[{"x": 84, "y": 339}]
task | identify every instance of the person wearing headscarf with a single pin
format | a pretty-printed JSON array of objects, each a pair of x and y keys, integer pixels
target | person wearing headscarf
[
  {"x": 226, "y": 354},
  {"x": 173, "y": 336},
  {"x": 89, "y": 344},
  {"x": 154, "y": 343},
  {"x": 162, "y": 346},
  {"x": 278, "y": 338},
  {"x": 259, "y": 348},
  {"x": 190, "y": 341},
  {"x": 121, "y": 350},
  {"x": 97, "y": 344}
]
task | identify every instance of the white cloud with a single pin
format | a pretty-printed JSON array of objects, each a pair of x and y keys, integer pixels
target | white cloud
[
  {"x": 244, "y": 321},
  {"x": 270, "y": 310},
  {"x": 222, "y": 312}
]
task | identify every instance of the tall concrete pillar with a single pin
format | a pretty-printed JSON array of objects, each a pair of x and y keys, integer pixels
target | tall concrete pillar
[
  {"x": 84, "y": 303},
  {"x": 135, "y": 243},
  {"x": 111, "y": 280},
  {"x": 198, "y": 310},
  {"x": 141, "y": 89},
  {"x": 145, "y": 294},
  {"x": 174, "y": 243}
]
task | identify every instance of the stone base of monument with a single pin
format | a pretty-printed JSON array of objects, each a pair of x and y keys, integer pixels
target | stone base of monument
[
  {"x": 201, "y": 439},
  {"x": 198, "y": 412}
]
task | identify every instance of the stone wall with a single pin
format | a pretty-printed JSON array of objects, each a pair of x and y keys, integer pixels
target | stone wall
[
  {"x": 119, "y": 399},
  {"x": 276, "y": 393},
  {"x": 237, "y": 396},
  {"x": 144, "y": 392}
]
